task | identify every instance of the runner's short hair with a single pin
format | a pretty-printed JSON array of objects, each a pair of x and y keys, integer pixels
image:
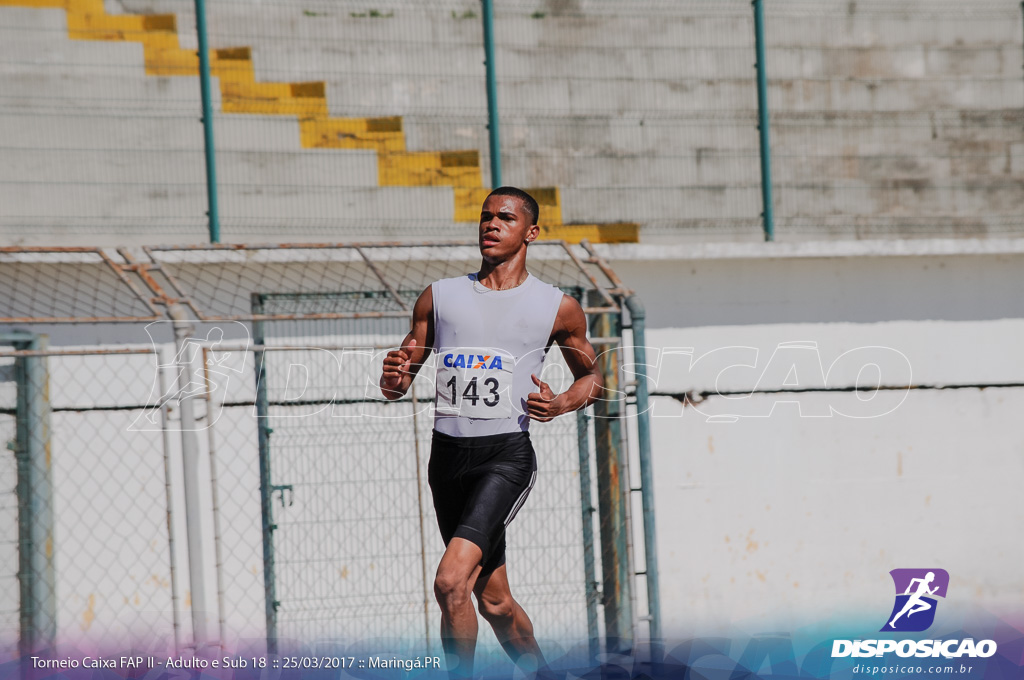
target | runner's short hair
[{"x": 529, "y": 202}]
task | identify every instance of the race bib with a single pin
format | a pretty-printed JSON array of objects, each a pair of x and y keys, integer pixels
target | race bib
[{"x": 474, "y": 382}]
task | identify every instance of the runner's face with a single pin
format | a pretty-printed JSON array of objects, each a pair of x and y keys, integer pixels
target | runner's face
[{"x": 504, "y": 226}]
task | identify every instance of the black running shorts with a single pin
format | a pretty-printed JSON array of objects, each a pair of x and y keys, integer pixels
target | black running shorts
[{"x": 478, "y": 485}]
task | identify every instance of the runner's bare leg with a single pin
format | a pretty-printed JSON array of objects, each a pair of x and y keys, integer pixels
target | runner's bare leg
[
  {"x": 510, "y": 622},
  {"x": 456, "y": 576}
]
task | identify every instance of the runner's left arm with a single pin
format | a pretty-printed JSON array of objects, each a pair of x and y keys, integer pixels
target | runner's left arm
[{"x": 570, "y": 332}]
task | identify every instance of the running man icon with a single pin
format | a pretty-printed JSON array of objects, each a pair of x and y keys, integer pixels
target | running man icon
[
  {"x": 916, "y": 590},
  {"x": 915, "y": 603}
]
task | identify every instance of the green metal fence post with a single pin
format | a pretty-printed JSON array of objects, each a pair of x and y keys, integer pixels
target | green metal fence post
[
  {"x": 762, "y": 123},
  {"x": 36, "y": 577},
  {"x": 637, "y": 317},
  {"x": 587, "y": 508},
  {"x": 612, "y": 495},
  {"x": 492, "y": 94},
  {"x": 263, "y": 430},
  {"x": 204, "y": 87}
]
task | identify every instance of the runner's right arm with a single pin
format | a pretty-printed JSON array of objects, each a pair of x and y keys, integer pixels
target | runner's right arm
[{"x": 401, "y": 365}]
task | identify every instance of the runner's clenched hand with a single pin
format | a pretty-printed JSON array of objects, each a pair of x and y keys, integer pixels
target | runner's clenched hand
[
  {"x": 542, "y": 405},
  {"x": 396, "y": 366}
]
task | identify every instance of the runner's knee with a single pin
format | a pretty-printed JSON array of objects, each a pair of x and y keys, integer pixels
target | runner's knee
[
  {"x": 450, "y": 587},
  {"x": 498, "y": 609}
]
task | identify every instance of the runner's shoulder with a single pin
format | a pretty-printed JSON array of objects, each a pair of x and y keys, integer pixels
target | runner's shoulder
[
  {"x": 569, "y": 320},
  {"x": 424, "y": 306}
]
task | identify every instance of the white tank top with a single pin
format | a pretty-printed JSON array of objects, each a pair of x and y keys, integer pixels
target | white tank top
[{"x": 488, "y": 342}]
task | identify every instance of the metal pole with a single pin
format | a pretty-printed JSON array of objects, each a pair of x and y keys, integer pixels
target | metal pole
[
  {"x": 638, "y": 316},
  {"x": 204, "y": 88},
  {"x": 624, "y": 473},
  {"x": 185, "y": 346},
  {"x": 588, "y": 509},
  {"x": 762, "y": 123},
  {"x": 214, "y": 497},
  {"x": 165, "y": 427},
  {"x": 35, "y": 499},
  {"x": 263, "y": 431},
  {"x": 492, "y": 94},
  {"x": 612, "y": 496},
  {"x": 422, "y": 514}
]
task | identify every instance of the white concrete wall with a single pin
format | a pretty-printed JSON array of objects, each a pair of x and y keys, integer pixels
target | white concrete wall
[{"x": 793, "y": 513}]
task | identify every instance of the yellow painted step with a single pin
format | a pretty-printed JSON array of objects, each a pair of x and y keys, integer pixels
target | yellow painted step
[
  {"x": 305, "y": 100},
  {"x": 619, "y": 232},
  {"x": 430, "y": 168},
  {"x": 380, "y": 134},
  {"x": 128, "y": 27}
]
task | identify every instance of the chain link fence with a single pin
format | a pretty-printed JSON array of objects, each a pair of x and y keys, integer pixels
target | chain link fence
[
  {"x": 87, "y": 549},
  {"x": 235, "y": 476},
  {"x": 337, "y": 120}
]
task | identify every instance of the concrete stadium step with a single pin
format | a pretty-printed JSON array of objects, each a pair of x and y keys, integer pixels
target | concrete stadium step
[
  {"x": 910, "y": 61},
  {"x": 102, "y": 232},
  {"x": 25, "y": 50},
  {"x": 582, "y": 172},
  {"x": 627, "y": 28},
  {"x": 829, "y": 227},
  {"x": 973, "y": 160},
  {"x": 590, "y": 134},
  {"x": 694, "y": 28},
  {"x": 901, "y": 197},
  {"x": 54, "y": 127},
  {"x": 727, "y": 25},
  {"x": 894, "y": 95},
  {"x": 831, "y": 129},
  {"x": 603, "y": 97},
  {"x": 39, "y": 20},
  {"x": 888, "y": 29},
  {"x": 298, "y": 58},
  {"x": 373, "y": 96},
  {"x": 114, "y": 92},
  {"x": 305, "y": 59},
  {"x": 150, "y": 203},
  {"x": 641, "y": 204},
  {"x": 273, "y": 170},
  {"x": 360, "y": 97},
  {"x": 323, "y": 57},
  {"x": 57, "y": 127},
  {"x": 852, "y": 227},
  {"x": 940, "y": 161},
  {"x": 238, "y": 23},
  {"x": 107, "y": 232},
  {"x": 145, "y": 203}
]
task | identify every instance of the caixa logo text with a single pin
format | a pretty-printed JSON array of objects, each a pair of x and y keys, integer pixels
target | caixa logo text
[{"x": 473, "y": 360}]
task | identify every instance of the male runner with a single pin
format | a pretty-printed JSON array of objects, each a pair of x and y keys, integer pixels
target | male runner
[{"x": 491, "y": 330}]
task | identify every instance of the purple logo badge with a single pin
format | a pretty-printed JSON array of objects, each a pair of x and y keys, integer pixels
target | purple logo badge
[{"x": 916, "y": 590}]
